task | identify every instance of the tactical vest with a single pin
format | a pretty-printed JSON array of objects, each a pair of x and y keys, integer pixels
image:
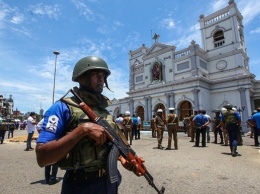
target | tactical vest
[
  {"x": 229, "y": 117},
  {"x": 85, "y": 155},
  {"x": 217, "y": 121}
]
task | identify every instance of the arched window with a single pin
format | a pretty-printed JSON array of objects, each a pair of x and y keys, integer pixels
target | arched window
[{"x": 219, "y": 39}]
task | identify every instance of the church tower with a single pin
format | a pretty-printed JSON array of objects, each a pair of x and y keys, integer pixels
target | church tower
[{"x": 222, "y": 35}]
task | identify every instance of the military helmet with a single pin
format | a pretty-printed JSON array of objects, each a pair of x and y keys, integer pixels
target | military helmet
[
  {"x": 159, "y": 110},
  {"x": 127, "y": 113},
  {"x": 216, "y": 111},
  {"x": 228, "y": 106},
  {"x": 254, "y": 111},
  {"x": 89, "y": 63}
]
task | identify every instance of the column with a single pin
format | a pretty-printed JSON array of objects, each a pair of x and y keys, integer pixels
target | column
[
  {"x": 150, "y": 107},
  {"x": 196, "y": 98},
  {"x": 245, "y": 112}
]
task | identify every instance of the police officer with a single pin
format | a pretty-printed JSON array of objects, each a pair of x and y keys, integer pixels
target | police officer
[
  {"x": 128, "y": 123},
  {"x": 231, "y": 122},
  {"x": 200, "y": 122},
  {"x": 160, "y": 123},
  {"x": 192, "y": 128},
  {"x": 256, "y": 118},
  {"x": 78, "y": 145},
  {"x": 217, "y": 126},
  {"x": 172, "y": 123}
]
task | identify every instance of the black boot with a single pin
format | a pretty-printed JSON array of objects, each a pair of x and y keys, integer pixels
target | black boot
[{"x": 233, "y": 152}]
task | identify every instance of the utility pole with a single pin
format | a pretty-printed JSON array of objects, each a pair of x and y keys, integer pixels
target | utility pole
[{"x": 56, "y": 53}]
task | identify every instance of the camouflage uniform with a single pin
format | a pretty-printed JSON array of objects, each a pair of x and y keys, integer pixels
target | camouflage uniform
[
  {"x": 217, "y": 128},
  {"x": 231, "y": 122}
]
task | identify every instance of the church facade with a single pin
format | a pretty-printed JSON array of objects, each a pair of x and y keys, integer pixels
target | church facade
[{"x": 193, "y": 78}]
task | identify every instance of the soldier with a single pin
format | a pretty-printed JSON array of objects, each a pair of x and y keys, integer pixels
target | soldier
[
  {"x": 152, "y": 124},
  {"x": 159, "y": 122},
  {"x": 3, "y": 129},
  {"x": 217, "y": 127},
  {"x": 192, "y": 128},
  {"x": 186, "y": 123},
  {"x": 231, "y": 122},
  {"x": 128, "y": 123},
  {"x": 11, "y": 128},
  {"x": 78, "y": 145},
  {"x": 240, "y": 139},
  {"x": 172, "y": 123}
]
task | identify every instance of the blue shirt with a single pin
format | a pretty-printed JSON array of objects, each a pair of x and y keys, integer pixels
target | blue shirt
[
  {"x": 135, "y": 120},
  {"x": 200, "y": 118},
  {"x": 256, "y": 118},
  {"x": 55, "y": 120}
]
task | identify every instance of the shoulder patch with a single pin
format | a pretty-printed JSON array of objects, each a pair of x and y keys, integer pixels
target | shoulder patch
[{"x": 52, "y": 123}]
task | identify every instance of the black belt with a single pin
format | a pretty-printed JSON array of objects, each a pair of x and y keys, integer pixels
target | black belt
[{"x": 81, "y": 175}]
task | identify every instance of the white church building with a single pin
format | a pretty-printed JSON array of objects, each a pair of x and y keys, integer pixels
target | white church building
[{"x": 194, "y": 78}]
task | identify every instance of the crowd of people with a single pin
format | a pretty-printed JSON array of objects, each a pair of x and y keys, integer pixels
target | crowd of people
[{"x": 226, "y": 125}]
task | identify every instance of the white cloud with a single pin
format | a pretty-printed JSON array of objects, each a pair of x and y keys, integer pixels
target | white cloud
[
  {"x": 17, "y": 19},
  {"x": 249, "y": 9},
  {"x": 217, "y": 5},
  {"x": 118, "y": 23},
  {"x": 22, "y": 31},
  {"x": 184, "y": 41},
  {"x": 84, "y": 9},
  {"x": 52, "y": 11},
  {"x": 167, "y": 23},
  {"x": 255, "y": 31},
  {"x": 195, "y": 27}
]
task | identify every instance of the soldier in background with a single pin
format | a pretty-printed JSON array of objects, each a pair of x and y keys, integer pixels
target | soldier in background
[
  {"x": 192, "y": 128},
  {"x": 231, "y": 122},
  {"x": 217, "y": 127},
  {"x": 11, "y": 128},
  {"x": 128, "y": 123},
  {"x": 159, "y": 122},
  {"x": 225, "y": 133},
  {"x": 172, "y": 123},
  {"x": 152, "y": 124},
  {"x": 3, "y": 129},
  {"x": 240, "y": 139},
  {"x": 187, "y": 123}
]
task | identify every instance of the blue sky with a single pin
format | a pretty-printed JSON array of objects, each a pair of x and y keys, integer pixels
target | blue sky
[{"x": 30, "y": 30}]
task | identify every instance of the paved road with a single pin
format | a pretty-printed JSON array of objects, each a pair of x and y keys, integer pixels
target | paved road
[{"x": 187, "y": 170}]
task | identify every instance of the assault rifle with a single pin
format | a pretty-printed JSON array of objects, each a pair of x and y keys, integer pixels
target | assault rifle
[{"x": 118, "y": 145}]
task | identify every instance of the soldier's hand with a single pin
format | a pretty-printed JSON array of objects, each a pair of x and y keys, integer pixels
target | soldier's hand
[
  {"x": 94, "y": 131},
  {"x": 132, "y": 165}
]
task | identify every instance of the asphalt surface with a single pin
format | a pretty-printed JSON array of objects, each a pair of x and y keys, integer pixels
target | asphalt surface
[{"x": 187, "y": 170}]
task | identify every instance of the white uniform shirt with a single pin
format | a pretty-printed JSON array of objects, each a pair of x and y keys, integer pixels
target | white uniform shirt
[{"x": 30, "y": 125}]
